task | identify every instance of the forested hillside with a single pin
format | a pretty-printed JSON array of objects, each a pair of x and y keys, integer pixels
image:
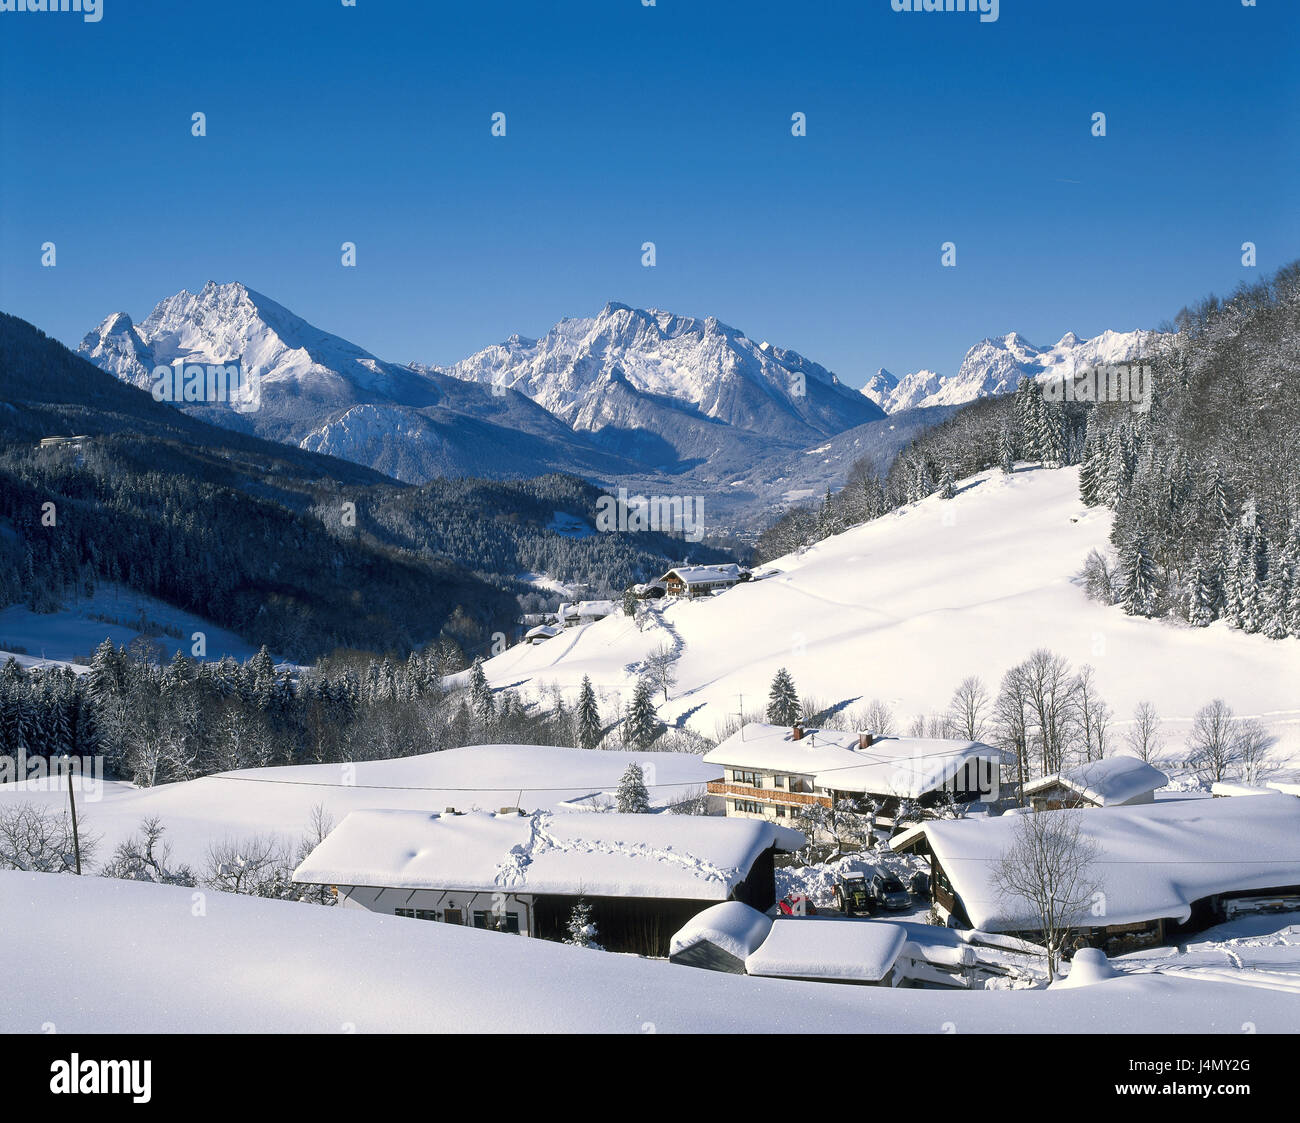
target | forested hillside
[
  {"x": 1205, "y": 483},
  {"x": 301, "y": 552}
]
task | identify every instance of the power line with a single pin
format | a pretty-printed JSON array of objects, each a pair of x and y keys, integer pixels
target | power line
[{"x": 426, "y": 788}]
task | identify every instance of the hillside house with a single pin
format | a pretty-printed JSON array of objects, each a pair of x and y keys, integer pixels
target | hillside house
[
  {"x": 1163, "y": 868},
  {"x": 643, "y": 876},
  {"x": 542, "y": 633},
  {"x": 773, "y": 771},
  {"x": 585, "y": 612},
  {"x": 701, "y": 580},
  {"x": 1117, "y": 781}
]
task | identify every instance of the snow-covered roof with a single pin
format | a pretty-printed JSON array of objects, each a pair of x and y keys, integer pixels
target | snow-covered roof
[
  {"x": 1112, "y": 780},
  {"x": 827, "y": 948},
  {"x": 1286, "y": 787},
  {"x": 734, "y": 927},
  {"x": 543, "y": 631},
  {"x": 606, "y": 855},
  {"x": 1154, "y": 859},
  {"x": 703, "y": 574},
  {"x": 593, "y": 609},
  {"x": 901, "y": 766},
  {"x": 1230, "y": 788}
]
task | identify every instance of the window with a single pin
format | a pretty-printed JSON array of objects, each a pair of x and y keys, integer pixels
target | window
[
  {"x": 748, "y": 807},
  {"x": 498, "y": 922},
  {"x": 416, "y": 914},
  {"x": 749, "y": 779},
  {"x": 778, "y": 781},
  {"x": 780, "y": 811}
]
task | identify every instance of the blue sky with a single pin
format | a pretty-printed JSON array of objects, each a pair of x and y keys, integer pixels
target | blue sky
[{"x": 669, "y": 124}]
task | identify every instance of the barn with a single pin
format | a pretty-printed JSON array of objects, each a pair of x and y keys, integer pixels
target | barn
[
  {"x": 1116, "y": 781},
  {"x": 1161, "y": 868}
]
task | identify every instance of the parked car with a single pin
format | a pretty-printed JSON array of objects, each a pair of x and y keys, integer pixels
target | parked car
[
  {"x": 888, "y": 893},
  {"x": 853, "y": 894},
  {"x": 797, "y": 905}
]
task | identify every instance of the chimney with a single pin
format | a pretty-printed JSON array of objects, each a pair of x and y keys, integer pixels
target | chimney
[
  {"x": 865, "y": 738},
  {"x": 796, "y": 733}
]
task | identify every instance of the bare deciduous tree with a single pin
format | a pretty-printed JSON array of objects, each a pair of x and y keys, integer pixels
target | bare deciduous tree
[
  {"x": 1094, "y": 716},
  {"x": 1213, "y": 744},
  {"x": 36, "y": 839},
  {"x": 258, "y": 865},
  {"x": 147, "y": 856},
  {"x": 1050, "y": 870},
  {"x": 876, "y": 717},
  {"x": 1144, "y": 737},
  {"x": 1253, "y": 745},
  {"x": 968, "y": 710},
  {"x": 1011, "y": 722},
  {"x": 659, "y": 668},
  {"x": 1052, "y": 692}
]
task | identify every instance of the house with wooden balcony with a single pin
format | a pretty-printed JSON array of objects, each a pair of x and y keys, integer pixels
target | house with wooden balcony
[
  {"x": 701, "y": 580},
  {"x": 774, "y": 771}
]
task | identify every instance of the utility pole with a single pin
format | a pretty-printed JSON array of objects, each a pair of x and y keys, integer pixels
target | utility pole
[{"x": 72, "y": 803}]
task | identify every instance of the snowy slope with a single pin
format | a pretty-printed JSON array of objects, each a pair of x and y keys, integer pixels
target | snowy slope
[
  {"x": 161, "y": 966},
  {"x": 280, "y": 800},
  {"x": 907, "y": 606},
  {"x": 117, "y": 613}
]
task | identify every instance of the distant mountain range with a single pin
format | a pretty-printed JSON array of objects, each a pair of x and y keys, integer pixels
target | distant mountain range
[
  {"x": 996, "y": 366},
  {"x": 639, "y": 397}
]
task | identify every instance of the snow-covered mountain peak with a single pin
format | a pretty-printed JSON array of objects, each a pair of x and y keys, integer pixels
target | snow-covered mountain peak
[
  {"x": 706, "y": 365},
  {"x": 996, "y": 366}
]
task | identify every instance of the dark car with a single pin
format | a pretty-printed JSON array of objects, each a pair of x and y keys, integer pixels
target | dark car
[{"x": 888, "y": 893}]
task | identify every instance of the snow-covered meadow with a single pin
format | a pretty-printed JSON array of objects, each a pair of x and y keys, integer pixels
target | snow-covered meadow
[
  {"x": 176, "y": 960},
  {"x": 232, "y": 806}
]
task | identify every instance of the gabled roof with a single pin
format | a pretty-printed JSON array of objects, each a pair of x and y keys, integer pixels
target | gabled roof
[
  {"x": 703, "y": 574},
  {"x": 599, "y": 854},
  {"x": 907, "y": 767},
  {"x": 1113, "y": 780},
  {"x": 1155, "y": 858}
]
